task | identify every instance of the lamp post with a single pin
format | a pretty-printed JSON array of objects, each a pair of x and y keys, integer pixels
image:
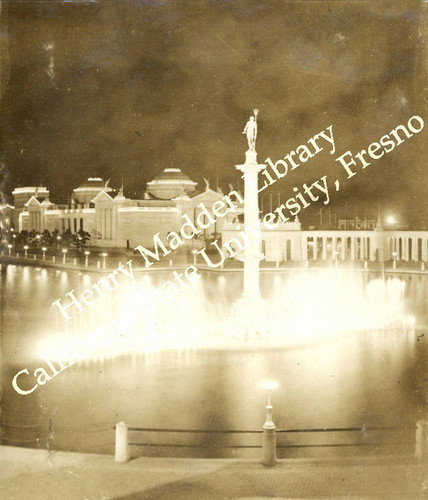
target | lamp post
[
  {"x": 9, "y": 248},
  {"x": 25, "y": 251},
  {"x": 195, "y": 252},
  {"x": 14, "y": 239},
  {"x": 58, "y": 239},
  {"x": 64, "y": 253},
  {"x": 44, "y": 252},
  {"x": 87, "y": 252},
  {"x": 37, "y": 240},
  {"x": 394, "y": 264},
  {"x": 104, "y": 255},
  {"x": 269, "y": 437}
]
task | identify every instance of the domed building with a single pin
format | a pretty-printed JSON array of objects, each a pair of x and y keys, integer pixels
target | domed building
[
  {"x": 170, "y": 183},
  {"x": 114, "y": 220},
  {"x": 87, "y": 191}
]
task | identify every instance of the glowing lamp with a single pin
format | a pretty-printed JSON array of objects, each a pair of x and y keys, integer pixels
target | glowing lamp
[
  {"x": 25, "y": 247},
  {"x": 9, "y": 246},
  {"x": 64, "y": 250},
  {"x": 269, "y": 385}
]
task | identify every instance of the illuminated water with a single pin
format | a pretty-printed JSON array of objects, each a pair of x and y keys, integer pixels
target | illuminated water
[{"x": 328, "y": 379}]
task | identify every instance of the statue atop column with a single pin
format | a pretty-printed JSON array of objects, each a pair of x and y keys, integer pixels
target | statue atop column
[{"x": 251, "y": 130}]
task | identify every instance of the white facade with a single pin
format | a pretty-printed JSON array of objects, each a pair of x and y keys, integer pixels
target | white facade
[{"x": 116, "y": 221}]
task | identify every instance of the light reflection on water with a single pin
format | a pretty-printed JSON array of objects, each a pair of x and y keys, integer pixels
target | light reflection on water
[{"x": 353, "y": 379}]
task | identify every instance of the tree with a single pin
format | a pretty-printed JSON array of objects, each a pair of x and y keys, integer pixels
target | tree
[{"x": 80, "y": 240}]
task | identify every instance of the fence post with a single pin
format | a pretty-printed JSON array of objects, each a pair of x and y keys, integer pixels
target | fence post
[
  {"x": 122, "y": 454},
  {"x": 421, "y": 447},
  {"x": 269, "y": 439}
]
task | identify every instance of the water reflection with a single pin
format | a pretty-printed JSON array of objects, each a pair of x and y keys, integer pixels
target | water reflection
[{"x": 371, "y": 376}]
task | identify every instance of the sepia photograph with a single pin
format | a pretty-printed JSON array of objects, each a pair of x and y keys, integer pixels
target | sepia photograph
[{"x": 213, "y": 249}]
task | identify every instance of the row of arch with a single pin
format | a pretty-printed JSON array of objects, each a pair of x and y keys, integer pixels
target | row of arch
[{"x": 363, "y": 247}]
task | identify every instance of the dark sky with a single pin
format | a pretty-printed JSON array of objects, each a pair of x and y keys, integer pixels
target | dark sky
[{"x": 131, "y": 87}]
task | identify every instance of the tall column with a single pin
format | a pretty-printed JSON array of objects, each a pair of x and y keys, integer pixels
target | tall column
[
  {"x": 343, "y": 240},
  {"x": 372, "y": 250},
  {"x": 415, "y": 249},
  {"x": 352, "y": 248},
  {"x": 324, "y": 248},
  {"x": 249, "y": 319},
  {"x": 316, "y": 248},
  {"x": 250, "y": 170}
]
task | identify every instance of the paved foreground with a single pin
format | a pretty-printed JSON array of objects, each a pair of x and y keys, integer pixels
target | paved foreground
[{"x": 35, "y": 474}]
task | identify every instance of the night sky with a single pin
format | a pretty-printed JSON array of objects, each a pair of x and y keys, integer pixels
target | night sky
[{"x": 127, "y": 88}]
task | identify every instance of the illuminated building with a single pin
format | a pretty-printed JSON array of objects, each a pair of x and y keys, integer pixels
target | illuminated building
[{"x": 114, "y": 220}]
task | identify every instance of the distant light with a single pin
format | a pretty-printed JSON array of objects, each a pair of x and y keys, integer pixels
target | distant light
[
  {"x": 9, "y": 246},
  {"x": 43, "y": 249},
  {"x": 38, "y": 236},
  {"x": 26, "y": 247},
  {"x": 390, "y": 219},
  {"x": 238, "y": 227},
  {"x": 87, "y": 252},
  {"x": 64, "y": 250},
  {"x": 269, "y": 385},
  {"x": 194, "y": 252},
  {"x": 58, "y": 238},
  {"x": 104, "y": 254}
]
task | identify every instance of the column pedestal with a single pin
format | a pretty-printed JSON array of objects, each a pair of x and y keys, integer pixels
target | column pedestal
[{"x": 249, "y": 317}]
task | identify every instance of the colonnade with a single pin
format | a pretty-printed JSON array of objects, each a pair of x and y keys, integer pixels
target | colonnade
[{"x": 375, "y": 245}]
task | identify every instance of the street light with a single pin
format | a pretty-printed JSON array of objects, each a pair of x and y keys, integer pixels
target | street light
[
  {"x": 64, "y": 253},
  {"x": 58, "y": 239},
  {"x": 25, "y": 251},
  {"x": 9, "y": 248},
  {"x": 269, "y": 385},
  {"x": 104, "y": 255},
  {"x": 44, "y": 252},
  {"x": 87, "y": 252},
  {"x": 269, "y": 438},
  {"x": 394, "y": 264},
  {"x": 38, "y": 240},
  {"x": 194, "y": 252}
]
